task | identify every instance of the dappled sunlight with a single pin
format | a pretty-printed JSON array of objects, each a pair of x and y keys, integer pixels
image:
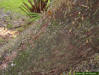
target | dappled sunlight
[{"x": 4, "y": 32}]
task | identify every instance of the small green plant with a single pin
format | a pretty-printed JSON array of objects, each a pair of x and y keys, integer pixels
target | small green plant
[
  {"x": 9, "y": 26},
  {"x": 34, "y": 7}
]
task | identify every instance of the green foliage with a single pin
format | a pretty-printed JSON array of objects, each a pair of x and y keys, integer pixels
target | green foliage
[
  {"x": 12, "y": 5},
  {"x": 20, "y": 29},
  {"x": 34, "y": 16},
  {"x": 9, "y": 26},
  {"x": 33, "y": 8},
  {"x": 1, "y": 39}
]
